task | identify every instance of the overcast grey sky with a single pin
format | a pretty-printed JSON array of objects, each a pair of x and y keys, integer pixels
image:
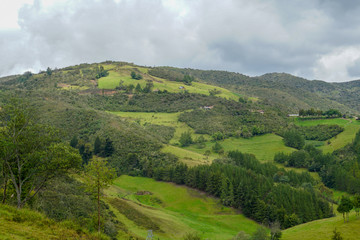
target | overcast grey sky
[{"x": 315, "y": 39}]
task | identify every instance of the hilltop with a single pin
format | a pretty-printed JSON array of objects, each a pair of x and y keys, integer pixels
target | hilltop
[{"x": 187, "y": 126}]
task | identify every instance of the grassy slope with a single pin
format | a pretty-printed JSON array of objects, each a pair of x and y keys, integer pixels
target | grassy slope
[
  {"x": 351, "y": 128},
  {"x": 263, "y": 147},
  {"x": 166, "y": 119},
  {"x": 123, "y": 74},
  {"x": 27, "y": 224},
  {"x": 323, "y": 229},
  {"x": 182, "y": 210}
]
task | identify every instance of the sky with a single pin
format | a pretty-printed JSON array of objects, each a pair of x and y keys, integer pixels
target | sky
[{"x": 314, "y": 39}]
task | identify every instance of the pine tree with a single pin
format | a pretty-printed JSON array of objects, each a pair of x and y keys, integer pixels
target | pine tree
[
  {"x": 337, "y": 235},
  {"x": 97, "y": 146},
  {"x": 74, "y": 142}
]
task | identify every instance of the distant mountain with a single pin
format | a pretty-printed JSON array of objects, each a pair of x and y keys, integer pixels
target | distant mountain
[{"x": 288, "y": 92}]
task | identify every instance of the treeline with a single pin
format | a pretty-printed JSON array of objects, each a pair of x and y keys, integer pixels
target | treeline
[
  {"x": 331, "y": 113},
  {"x": 263, "y": 192},
  {"x": 295, "y": 136},
  {"x": 166, "y": 73},
  {"x": 339, "y": 170},
  {"x": 232, "y": 119}
]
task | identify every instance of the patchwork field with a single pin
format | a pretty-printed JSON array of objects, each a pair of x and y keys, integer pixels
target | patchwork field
[
  {"x": 263, "y": 147},
  {"x": 173, "y": 210},
  {"x": 122, "y": 74},
  {"x": 166, "y": 119}
]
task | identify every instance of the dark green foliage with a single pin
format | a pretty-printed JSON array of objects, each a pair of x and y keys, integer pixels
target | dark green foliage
[
  {"x": 235, "y": 179},
  {"x": 186, "y": 139},
  {"x": 217, "y": 148},
  {"x": 97, "y": 146},
  {"x": 319, "y": 132},
  {"x": 49, "y": 71},
  {"x": 356, "y": 203},
  {"x": 74, "y": 142},
  {"x": 108, "y": 148},
  {"x": 101, "y": 72},
  {"x": 337, "y": 235},
  {"x": 136, "y": 76},
  {"x": 345, "y": 207},
  {"x": 138, "y": 88},
  {"x": 293, "y": 138},
  {"x": 260, "y": 234}
]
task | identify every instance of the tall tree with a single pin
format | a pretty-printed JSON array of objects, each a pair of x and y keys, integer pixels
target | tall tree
[
  {"x": 97, "y": 146},
  {"x": 98, "y": 176},
  {"x": 356, "y": 203},
  {"x": 345, "y": 207},
  {"x": 31, "y": 153}
]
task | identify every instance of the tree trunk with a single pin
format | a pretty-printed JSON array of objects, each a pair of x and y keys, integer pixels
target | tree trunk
[{"x": 4, "y": 193}]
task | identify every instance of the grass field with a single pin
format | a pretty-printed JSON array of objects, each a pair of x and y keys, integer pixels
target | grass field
[
  {"x": 191, "y": 158},
  {"x": 177, "y": 210},
  {"x": 263, "y": 147},
  {"x": 123, "y": 74},
  {"x": 351, "y": 127},
  {"x": 338, "y": 121},
  {"x": 323, "y": 229},
  {"x": 166, "y": 119}
]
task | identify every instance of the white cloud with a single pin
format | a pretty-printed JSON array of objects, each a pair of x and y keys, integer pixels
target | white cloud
[
  {"x": 333, "y": 67},
  {"x": 314, "y": 39}
]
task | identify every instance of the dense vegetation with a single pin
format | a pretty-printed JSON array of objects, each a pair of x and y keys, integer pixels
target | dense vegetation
[
  {"x": 339, "y": 170},
  {"x": 71, "y": 110}
]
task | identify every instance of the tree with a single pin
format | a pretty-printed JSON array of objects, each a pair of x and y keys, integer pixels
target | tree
[
  {"x": 48, "y": 71},
  {"x": 275, "y": 233},
  {"x": 241, "y": 236},
  {"x": 337, "y": 235},
  {"x": 31, "y": 153},
  {"x": 108, "y": 148},
  {"x": 356, "y": 203},
  {"x": 138, "y": 88},
  {"x": 218, "y": 148},
  {"x": 185, "y": 139},
  {"x": 133, "y": 75},
  {"x": 74, "y": 142},
  {"x": 98, "y": 177},
  {"x": 294, "y": 139},
  {"x": 97, "y": 146},
  {"x": 260, "y": 234},
  {"x": 345, "y": 207}
]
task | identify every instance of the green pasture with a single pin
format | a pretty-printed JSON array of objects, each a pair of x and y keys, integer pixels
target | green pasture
[
  {"x": 323, "y": 229},
  {"x": 330, "y": 121},
  {"x": 263, "y": 147},
  {"x": 123, "y": 74},
  {"x": 351, "y": 127},
  {"x": 342, "y": 139},
  {"x": 166, "y": 119},
  {"x": 177, "y": 210},
  {"x": 191, "y": 158}
]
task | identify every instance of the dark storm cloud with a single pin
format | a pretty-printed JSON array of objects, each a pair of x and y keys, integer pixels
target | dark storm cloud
[{"x": 307, "y": 38}]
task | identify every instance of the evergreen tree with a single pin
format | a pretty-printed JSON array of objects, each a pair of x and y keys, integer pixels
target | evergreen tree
[
  {"x": 356, "y": 203},
  {"x": 97, "y": 146},
  {"x": 108, "y": 148},
  {"x": 74, "y": 142},
  {"x": 217, "y": 148},
  {"x": 185, "y": 139},
  {"x": 138, "y": 88}
]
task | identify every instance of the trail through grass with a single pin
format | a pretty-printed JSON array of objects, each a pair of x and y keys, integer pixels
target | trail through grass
[{"x": 178, "y": 210}]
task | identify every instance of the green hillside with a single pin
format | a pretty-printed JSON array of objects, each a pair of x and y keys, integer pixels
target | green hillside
[
  {"x": 174, "y": 210},
  {"x": 26, "y": 224}
]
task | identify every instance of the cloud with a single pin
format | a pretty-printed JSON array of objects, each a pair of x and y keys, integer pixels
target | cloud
[{"x": 307, "y": 38}]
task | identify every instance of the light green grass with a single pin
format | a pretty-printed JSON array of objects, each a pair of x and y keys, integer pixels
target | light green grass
[
  {"x": 342, "y": 139},
  {"x": 338, "y": 121},
  {"x": 182, "y": 210},
  {"x": 191, "y": 158},
  {"x": 323, "y": 229},
  {"x": 263, "y": 147},
  {"x": 123, "y": 74},
  {"x": 166, "y": 119}
]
